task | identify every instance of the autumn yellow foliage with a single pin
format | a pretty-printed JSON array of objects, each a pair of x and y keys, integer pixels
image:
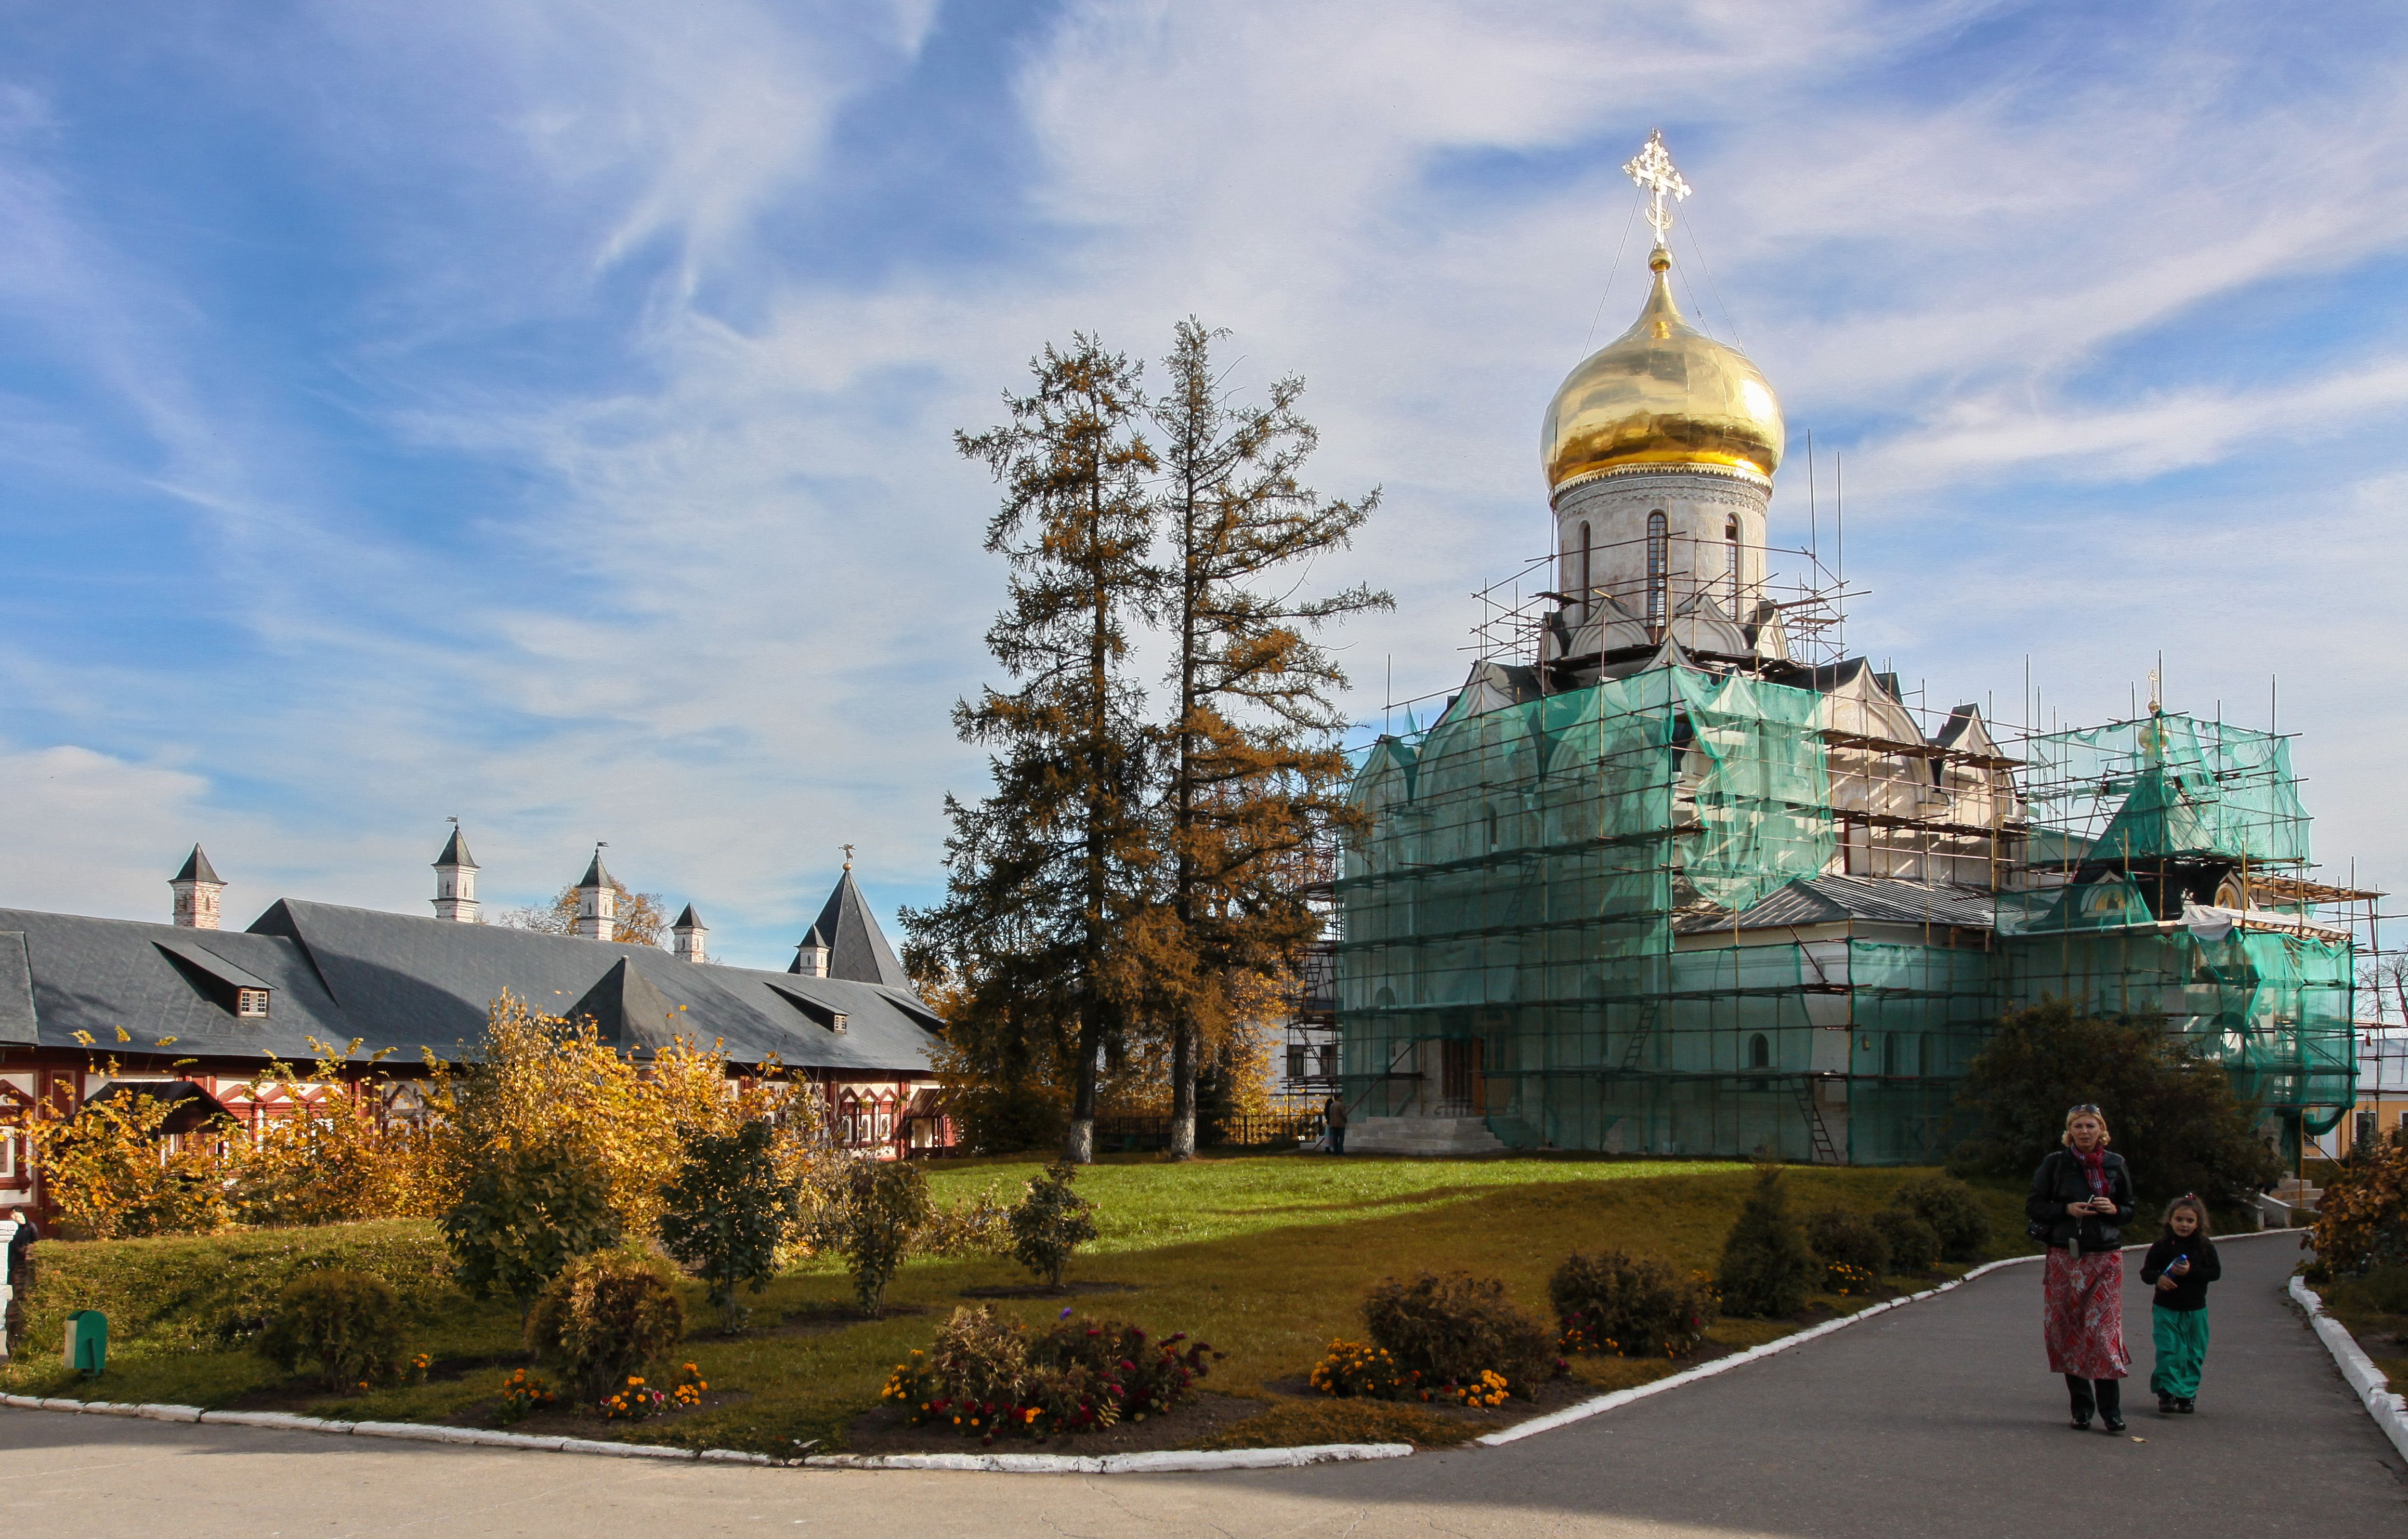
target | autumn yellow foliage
[{"x": 356, "y": 1153}]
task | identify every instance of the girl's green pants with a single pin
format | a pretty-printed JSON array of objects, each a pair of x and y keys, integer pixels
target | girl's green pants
[{"x": 2180, "y": 1336}]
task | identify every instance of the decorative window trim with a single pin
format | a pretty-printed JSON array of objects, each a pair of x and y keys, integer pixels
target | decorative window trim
[{"x": 250, "y": 1004}]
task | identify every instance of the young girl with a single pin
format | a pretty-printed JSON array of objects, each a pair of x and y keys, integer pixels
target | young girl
[{"x": 2181, "y": 1265}]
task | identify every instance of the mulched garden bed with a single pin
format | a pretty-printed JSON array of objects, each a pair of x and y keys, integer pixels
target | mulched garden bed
[
  {"x": 565, "y": 1420},
  {"x": 883, "y": 1431}
]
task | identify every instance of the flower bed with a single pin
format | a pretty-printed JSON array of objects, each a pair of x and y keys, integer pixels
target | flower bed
[{"x": 985, "y": 1376}]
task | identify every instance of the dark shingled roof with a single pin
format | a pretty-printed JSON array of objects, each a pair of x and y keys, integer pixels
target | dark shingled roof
[
  {"x": 857, "y": 949},
  {"x": 689, "y": 921},
  {"x": 1831, "y": 900},
  {"x": 197, "y": 869},
  {"x": 408, "y": 984},
  {"x": 594, "y": 875},
  {"x": 455, "y": 851}
]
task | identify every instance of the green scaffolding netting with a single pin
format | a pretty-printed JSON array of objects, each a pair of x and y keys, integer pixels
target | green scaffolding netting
[{"x": 1529, "y": 927}]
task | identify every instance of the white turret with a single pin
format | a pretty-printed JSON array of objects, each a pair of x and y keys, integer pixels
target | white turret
[
  {"x": 597, "y": 902},
  {"x": 455, "y": 880},
  {"x": 197, "y": 889},
  {"x": 688, "y": 936}
]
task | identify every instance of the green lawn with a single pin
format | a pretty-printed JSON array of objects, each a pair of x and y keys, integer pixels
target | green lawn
[{"x": 1265, "y": 1256}]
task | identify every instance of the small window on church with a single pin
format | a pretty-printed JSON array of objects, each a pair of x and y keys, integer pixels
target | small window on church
[
  {"x": 1658, "y": 566},
  {"x": 1760, "y": 1051},
  {"x": 1583, "y": 565},
  {"x": 250, "y": 1004},
  {"x": 1730, "y": 552}
]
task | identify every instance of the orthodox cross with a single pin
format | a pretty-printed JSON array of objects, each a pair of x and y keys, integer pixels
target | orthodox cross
[{"x": 1652, "y": 169}]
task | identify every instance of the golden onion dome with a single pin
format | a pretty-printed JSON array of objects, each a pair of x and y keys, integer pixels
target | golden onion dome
[{"x": 1663, "y": 392}]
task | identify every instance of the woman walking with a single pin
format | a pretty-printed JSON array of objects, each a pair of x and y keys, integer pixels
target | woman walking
[{"x": 2081, "y": 1198}]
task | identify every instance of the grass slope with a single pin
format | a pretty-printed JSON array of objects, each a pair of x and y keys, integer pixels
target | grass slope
[{"x": 1265, "y": 1257}]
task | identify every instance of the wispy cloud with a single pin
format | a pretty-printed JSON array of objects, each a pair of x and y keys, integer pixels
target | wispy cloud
[{"x": 557, "y": 395}]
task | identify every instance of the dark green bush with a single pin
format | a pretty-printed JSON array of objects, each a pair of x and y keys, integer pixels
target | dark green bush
[
  {"x": 870, "y": 1212},
  {"x": 2382, "y": 1292},
  {"x": 2174, "y": 1114},
  {"x": 604, "y": 1317},
  {"x": 1449, "y": 1328},
  {"x": 724, "y": 1214},
  {"x": 524, "y": 1215},
  {"x": 1953, "y": 1211},
  {"x": 1842, "y": 1238},
  {"x": 1050, "y": 1222},
  {"x": 1635, "y": 1306},
  {"x": 1767, "y": 1267},
  {"x": 347, "y": 1323},
  {"x": 209, "y": 1292},
  {"x": 1914, "y": 1245}
]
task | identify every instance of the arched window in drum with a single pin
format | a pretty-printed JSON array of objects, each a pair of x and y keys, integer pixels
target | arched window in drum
[{"x": 1658, "y": 566}]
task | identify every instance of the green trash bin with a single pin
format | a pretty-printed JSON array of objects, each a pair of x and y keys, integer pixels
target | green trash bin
[{"x": 87, "y": 1343}]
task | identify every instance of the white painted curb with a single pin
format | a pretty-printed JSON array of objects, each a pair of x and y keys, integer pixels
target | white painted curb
[
  {"x": 1137, "y": 1463},
  {"x": 2373, "y": 1391},
  {"x": 1620, "y": 1398},
  {"x": 406, "y": 1431}
]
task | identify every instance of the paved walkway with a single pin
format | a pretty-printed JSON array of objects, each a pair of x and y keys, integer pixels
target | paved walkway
[{"x": 1934, "y": 1419}]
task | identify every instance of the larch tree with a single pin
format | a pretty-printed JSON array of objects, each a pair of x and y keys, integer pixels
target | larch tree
[
  {"x": 1049, "y": 878},
  {"x": 1254, "y": 777}
]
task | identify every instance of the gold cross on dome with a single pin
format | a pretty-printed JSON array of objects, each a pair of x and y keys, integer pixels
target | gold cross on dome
[{"x": 1652, "y": 168}]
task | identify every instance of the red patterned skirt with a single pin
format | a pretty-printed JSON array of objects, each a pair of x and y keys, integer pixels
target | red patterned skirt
[{"x": 2083, "y": 1320}]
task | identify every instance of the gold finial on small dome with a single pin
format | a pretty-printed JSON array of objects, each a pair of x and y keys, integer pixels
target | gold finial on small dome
[{"x": 1663, "y": 392}]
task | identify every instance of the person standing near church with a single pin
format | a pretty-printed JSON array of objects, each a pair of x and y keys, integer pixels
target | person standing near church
[
  {"x": 2081, "y": 1198},
  {"x": 1333, "y": 1116},
  {"x": 2179, "y": 1267}
]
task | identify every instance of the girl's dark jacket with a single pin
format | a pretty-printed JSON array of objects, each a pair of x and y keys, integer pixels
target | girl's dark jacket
[
  {"x": 2189, "y": 1290},
  {"x": 2058, "y": 1181}
]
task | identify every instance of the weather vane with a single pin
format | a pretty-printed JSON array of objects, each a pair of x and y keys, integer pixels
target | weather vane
[
  {"x": 847, "y": 857},
  {"x": 1652, "y": 169}
]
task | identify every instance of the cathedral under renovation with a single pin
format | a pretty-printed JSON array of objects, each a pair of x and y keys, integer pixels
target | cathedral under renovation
[{"x": 1673, "y": 874}]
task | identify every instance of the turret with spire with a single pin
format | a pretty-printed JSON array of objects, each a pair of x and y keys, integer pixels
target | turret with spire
[
  {"x": 597, "y": 901},
  {"x": 196, "y": 888},
  {"x": 689, "y": 936},
  {"x": 455, "y": 880}
]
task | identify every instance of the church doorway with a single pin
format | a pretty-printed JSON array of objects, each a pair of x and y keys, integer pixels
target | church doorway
[{"x": 1462, "y": 1090}]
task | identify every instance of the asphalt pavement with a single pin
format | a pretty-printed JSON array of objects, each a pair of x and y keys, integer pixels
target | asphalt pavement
[{"x": 1938, "y": 1419}]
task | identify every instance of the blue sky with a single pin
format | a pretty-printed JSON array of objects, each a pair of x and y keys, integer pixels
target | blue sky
[{"x": 540, "y": 412}]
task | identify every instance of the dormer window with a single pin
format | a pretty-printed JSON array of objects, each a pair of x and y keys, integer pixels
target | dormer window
[{"x": 250, "y": 1004}]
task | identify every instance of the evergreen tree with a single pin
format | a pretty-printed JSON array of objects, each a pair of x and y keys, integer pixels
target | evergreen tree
[
  {"x": 1048, "y": 894},
  {"x": 1254, "y": 774},
  {"x": 1767, "y": 1266}
]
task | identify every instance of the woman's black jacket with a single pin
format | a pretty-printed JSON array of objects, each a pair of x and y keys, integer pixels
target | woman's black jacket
[{"x": 2060, "y": 1180}]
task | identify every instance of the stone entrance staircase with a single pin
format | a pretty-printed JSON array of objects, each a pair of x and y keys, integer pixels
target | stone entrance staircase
[{"x": 1427, "y": 1135}]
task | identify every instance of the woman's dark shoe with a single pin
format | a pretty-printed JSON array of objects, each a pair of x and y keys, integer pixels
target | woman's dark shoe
[
  {"x": 2082, "y": 1424},
  {"x": 2111, "y": 1424},
  {"x": 2165, "y": 1406},
  {"x": 2186, "y": 1406}
]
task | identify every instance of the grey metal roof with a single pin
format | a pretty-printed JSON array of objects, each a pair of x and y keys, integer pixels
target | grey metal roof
[
  {"x": 594, "y": 875},
  {"x": 689, "y": 921},
  {"x": 455, "y": 851},
  {"x": 197, "y": 869},
  {"x": 857, "y": 949},
  {"x": 414, "y": 985},
  {"x": 1831, "y": 900}
]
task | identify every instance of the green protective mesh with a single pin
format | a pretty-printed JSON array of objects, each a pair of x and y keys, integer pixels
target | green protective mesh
[
  {"x": 1528, "y": 928},
  {"x": 2169, "y": 785},
  {"x": 2115, "y": 807}
]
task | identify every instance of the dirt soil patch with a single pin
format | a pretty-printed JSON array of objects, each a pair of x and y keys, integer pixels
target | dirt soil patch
[{"x": 883, "y": 1431}]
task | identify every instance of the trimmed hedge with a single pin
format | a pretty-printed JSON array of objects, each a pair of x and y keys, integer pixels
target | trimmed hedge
[{"x": 209, "y": 1292}]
